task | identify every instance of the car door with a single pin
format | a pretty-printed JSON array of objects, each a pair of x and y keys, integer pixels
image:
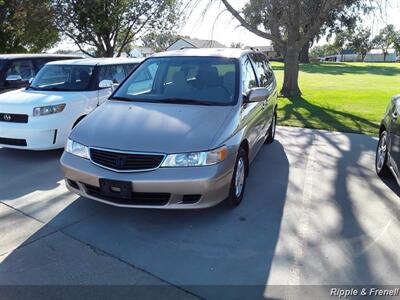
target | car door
[
  {"x": 251, "y": 113},
  {"x": 115, "y": 73},
  {"x": 266, "y": 79},
  {"x": 18, "y": 74},
  {"x": 394, "y": 131}
]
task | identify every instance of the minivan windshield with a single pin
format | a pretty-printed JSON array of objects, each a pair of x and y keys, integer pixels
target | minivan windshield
[
  {"x": 63, "y": 78},
  {"x": 183, "y": 80}
]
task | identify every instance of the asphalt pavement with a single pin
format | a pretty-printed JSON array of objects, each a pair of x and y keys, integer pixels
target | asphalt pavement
[{"x": 314, "y": 213}]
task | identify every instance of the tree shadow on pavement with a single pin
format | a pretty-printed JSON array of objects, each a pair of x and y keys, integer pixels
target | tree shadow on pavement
[{"x": 207, "y": 252}]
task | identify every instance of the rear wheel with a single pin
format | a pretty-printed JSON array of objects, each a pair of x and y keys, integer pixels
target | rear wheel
[
  {"x": 382, "y": 156},
  {"x": 238, "y": 182},
  {"x": 271, "y": 131}
]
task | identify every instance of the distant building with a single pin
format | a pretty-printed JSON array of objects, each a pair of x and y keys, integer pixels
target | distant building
[
  {"x": 183, "y": 43},
  {"x": 269, "y": 51},
  {"x": 375, "y": 55}
]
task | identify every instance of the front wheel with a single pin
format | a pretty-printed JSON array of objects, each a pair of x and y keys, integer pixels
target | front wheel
[
  {"x": 238, "y": 182},
  {"x": 381, "y": 166},
  {"x": 272, "y": 129}
]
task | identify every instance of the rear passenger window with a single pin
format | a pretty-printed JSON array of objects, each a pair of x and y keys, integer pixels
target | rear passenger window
[
  {"x": 249, "y": 78},
  {"x": 24, "y": 68}
]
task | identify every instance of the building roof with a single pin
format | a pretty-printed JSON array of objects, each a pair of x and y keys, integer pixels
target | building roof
[
  {"x": 197, "y": 43},
  {"x": 97, "y": 61},
  {"x": 16, "y": 56},
  {"x": 211, "y": 52}
]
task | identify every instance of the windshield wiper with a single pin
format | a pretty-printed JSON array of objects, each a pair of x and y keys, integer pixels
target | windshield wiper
[{"x": 184, "y": 101}]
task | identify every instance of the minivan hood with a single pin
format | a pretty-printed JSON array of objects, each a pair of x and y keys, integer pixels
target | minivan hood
[{"x": 151, "y": 127}]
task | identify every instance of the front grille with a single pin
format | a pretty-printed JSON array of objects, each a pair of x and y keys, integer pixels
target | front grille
[
  {"x": 13, "y": 142},
  {"x": 13, "y": 118},
  {"x": 151, "y": 199},
  {"x": 126, "y": 161}
]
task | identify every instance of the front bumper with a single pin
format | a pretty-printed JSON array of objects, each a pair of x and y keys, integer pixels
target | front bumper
[
  {"x": 210, "y": 183},
  {"x": 40, "y": 133}
]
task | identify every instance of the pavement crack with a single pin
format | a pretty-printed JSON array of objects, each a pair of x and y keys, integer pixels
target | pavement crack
[{"x": 101, "y": 252}]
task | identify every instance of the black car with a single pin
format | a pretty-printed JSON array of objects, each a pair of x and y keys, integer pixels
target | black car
[
  {"x": 388, "y": 151},
  {"x": 17, "y": 69}
]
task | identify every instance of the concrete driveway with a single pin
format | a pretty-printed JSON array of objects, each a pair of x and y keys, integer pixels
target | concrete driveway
[{"x": 314, "y": 213}]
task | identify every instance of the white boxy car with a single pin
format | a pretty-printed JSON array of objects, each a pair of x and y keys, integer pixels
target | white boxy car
[{"x": 41, "y": 116}]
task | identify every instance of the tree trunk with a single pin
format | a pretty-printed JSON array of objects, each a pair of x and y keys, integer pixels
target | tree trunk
[
  {"x": 291, "y": 77},
  {"x": 304, "y": 56}
]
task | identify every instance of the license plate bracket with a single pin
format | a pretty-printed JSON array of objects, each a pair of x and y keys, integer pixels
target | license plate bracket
[{"x": 115, "y": 188}]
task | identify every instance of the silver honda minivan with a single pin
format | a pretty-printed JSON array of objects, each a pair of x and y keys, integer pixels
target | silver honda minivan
[{"x": 179, "y": 133}]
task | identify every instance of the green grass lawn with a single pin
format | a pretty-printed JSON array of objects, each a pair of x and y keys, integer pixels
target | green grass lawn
[{"x": 349, "y": 97}]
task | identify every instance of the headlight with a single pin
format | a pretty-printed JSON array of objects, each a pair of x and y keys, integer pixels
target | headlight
[
  {"x": 48, "y": 110},
  {"x": 196, "y": 159},
  {"x": 77, "y": 149}
]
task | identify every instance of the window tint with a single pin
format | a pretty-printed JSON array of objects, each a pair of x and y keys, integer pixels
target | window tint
[
  {"x": 40, "y": 62},
  {"x": 115, "y": 73},
  {"x": 63, "y": 78},
  {"x": 129, "y": 68},
  {"x": 2, "y": 63},
  {"x": 202, "y": 79},
  {"x": 249, "y": 78},
  {"x": 24, "y": 68},
  {"x": 264, "y": 72}
]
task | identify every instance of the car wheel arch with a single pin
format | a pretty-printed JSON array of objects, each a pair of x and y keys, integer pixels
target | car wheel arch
[{"x": 245, "y": 145}]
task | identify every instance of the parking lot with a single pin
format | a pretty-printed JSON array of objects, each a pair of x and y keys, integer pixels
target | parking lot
[{"x": 314, "y": 212}]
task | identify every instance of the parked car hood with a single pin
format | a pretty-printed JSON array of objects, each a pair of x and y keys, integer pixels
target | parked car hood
[
  {"x": 23, "y": 101},
  {"x": 152, "y": 127}
]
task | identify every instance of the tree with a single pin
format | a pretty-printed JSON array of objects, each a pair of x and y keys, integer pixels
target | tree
[
  {"x": 237, "y": 45},
  {"x": 27, "y": 26},
  {"x": 290, "y": 25},
  {"x": 396, "y": 44},
  {"x": 385, "y": 39},
  {"x": 159, "y": 41},
  {"x": 110, "y": 25},
  {"x": 360, "y": 41}
]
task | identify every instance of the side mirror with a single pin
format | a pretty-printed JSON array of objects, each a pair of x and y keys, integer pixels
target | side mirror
[
  {"x": 257, "y": 94},
  {"x": 30, "y": 80},
  {"x": 14, "y": 78},
  {"x": 106, "y": 84}
]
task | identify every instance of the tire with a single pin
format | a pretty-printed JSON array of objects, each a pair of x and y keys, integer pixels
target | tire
[
  {"x": 382, "y": 169},
  {"x": 236, "y": 191},
  {"x": 272, "y": 130}
]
